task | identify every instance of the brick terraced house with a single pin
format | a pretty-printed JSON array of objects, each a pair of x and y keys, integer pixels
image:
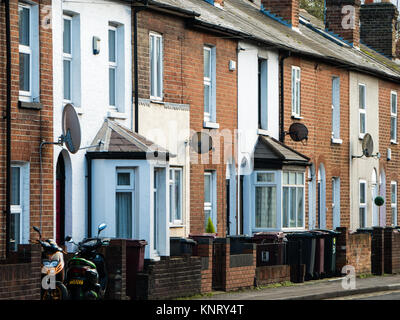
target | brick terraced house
[{"x": 191, "y": 110}]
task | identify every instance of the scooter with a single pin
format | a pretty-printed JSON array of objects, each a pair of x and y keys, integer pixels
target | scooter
[
  {"x": 86, "y": 272},
  {"x": 52, "y": 269}
]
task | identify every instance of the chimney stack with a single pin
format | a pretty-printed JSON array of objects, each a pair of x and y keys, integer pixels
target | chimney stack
[
  {"x": 342, "y": 17},
  {"x": 288, "y": 10},
  {"x": 378, "y": 27}
]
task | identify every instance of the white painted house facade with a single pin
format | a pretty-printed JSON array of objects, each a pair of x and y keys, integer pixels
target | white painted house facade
[
  {"x": 92, "y": 61},
  {"x": 268, "y": 176}
]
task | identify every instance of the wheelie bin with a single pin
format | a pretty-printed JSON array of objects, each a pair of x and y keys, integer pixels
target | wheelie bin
[
  {"x": 330, "y": 252},
  {"x": 271, "y": 248},
  {"x": 307, "y": 243},
  {"x": 269, "y": 237},
  {"x": 319, "y": 267}
]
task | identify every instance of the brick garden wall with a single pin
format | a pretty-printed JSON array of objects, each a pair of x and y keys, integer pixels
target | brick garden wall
[
  {"x": 392, "y": 250},
  {"x": 272, "y": 274},
  {"x": 204, "y": 249},
  {"x": 21, "y": 279},
  {"x": 29, "y": 126}
]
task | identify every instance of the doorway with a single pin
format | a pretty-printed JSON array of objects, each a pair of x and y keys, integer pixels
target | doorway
[{"x": 60, "y": 200}]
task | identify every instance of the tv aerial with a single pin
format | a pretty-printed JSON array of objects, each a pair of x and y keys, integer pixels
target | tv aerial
[{"x": 367, "y": 145}]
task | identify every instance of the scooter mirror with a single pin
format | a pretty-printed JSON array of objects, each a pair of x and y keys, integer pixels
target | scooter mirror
[
  {"x": 68, "y": 239},
  {"x": 101, "y": 227},
  {"x": 37, "y": 230}
]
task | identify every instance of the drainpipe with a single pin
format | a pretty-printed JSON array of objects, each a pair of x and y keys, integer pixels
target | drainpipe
[
  {"x": 8, "y": 125},
  {"x": 285, "y": 55},
  {"x": 135, "y": 54},
  {"x": 89, "y": 193}
]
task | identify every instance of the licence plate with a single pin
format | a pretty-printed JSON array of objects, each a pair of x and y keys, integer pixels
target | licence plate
[{"x": 76, "y": 282}]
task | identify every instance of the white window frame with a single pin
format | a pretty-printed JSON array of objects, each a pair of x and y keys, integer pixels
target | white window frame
[
  {"x": 362, "y": 110},
  {"x": 27, "y": 50},
  {"x": 172, "y": 182},
  {"x": 68, "y": 57},
  {"x": 19, "y": 209},
  {"x": 336, "y": 112},
  {"x": 158, "y": 78},
  {"x": 393, "y": 204},
  {"x": 336, "y": 198},
  {"x": 296, "y": 92},
  {"x": 296, "y": 186},
  {"x": 362, "y": 205},
  {"x": 212, "y": 205},
  {"x": 263, "y": 94},
  {"x": 275, "y": 183},
  {"x": 113, "y": 65},
  {"x": 125, "y": 189},
  {"x": 210, "y": 117},
  {"x": 393, "y": 115}
]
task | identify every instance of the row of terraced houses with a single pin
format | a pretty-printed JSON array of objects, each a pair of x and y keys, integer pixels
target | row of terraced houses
[{"x": 189, "y": 110}]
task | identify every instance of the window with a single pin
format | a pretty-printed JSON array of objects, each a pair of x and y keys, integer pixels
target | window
[
  {"x": 124, "y": 198},
  {"x": 336, "y": 201},
  {"x": 175, "y": 195},
  {"x": 209, "y": 84},
  {"x": 28, "y": 52},
  {"x": 112, "y": 65},
  {"x": 362, "y": 110},
  {"x": 210, "y": 198},
  {"x": 363, "y": 203},
  {"x": 266, "y": 200},
  {"x": 393, "y": 202},
  {"x": 16, "y": 208},
  {"x": 67, "y": 58},
  {"x": 336, "y": 109},
  {"x": 295, "y": 91},
  {"x": 156, "y": 66},
  {"x": 393, "y": 117},
  {"x": 293, "y": 200},
  {"x": 263, "y": 94}
]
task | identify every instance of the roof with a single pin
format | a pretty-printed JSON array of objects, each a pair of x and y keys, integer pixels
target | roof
[
  {"x": 245, "y": 20},
  {"x": 119, "y": 139},
  {"x": 268, "y": 148}
]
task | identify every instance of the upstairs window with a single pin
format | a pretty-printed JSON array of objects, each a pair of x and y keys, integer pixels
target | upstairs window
[
  {"x": 67, "y": 58},
  {"x": 263, "y": 94},
  {"x": 112, "y": 65},
  {"x": 28, "y": 52},
  {"x": 362, "y": 110},
  {"x": 336, "y": 109},
  {"x": 296, "y": 91},
  {"x": 209, "y": 84},
  {"x": 156, "y": 66},
  {"x": 393, "y": 117}
]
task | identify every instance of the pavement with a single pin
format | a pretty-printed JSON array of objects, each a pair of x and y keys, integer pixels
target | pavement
[{"x": 317, "y": 290}]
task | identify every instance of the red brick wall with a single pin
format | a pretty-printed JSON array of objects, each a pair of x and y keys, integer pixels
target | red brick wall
[
  {"x": 272, "y": 274},
  {"x": 316, "y": 113},
  {"x": 183, "y": 83},
  {"x": 204, "y": 249},
  {"x": 22, "y": 280},
  {"x": 392, "y": 251},
  {"x": 29, "y": 127},
  {"x": 390, "y": 167}
]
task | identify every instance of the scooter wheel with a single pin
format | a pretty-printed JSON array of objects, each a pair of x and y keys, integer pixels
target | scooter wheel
[{"x": 59, "y": 293}]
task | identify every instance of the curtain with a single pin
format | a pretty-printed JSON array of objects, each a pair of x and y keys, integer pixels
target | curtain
[
  {"x": 266, "y": 207},
  {"x": 124, "y": 214}
]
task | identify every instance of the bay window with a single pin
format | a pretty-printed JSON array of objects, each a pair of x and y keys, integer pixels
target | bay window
[
  {"x": 293, "y": 199},
  {"x": 124, "y": 197},
  {"x": 266, "y": 201}
]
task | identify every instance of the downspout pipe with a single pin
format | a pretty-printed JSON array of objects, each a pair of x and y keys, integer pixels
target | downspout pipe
[
  {"x": 136, "y": 10},
  {"x": 8, "y": 125},
  {"x": 284, "y": 55},
  {"x": 89, "y": 194}
]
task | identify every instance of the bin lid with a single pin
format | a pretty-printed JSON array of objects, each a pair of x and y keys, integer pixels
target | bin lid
[
  {"x": 364, "y": 230},
  {"x": 300, "y": 234}
]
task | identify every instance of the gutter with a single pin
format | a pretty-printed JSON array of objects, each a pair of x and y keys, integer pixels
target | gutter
[{"x": 8, "y": 125}]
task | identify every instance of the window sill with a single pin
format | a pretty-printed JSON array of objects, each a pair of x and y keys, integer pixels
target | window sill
[
  {"x": 178, "y": 225},
  {"x": 361, "y": 136},
  {"x": 297, "y": 117},
  {"x": 116, "y": 115},
  {"x": 30, "y": 105},
  {"x": 393, "y": 142},
  {"x": 157, "y": 101},
  {"x": 262, "y": 132},
  {"x": 336, "y": 141},
  {"x": 210, "y": 125}
]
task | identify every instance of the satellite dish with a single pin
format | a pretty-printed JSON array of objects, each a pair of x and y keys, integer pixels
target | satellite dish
[
  {"x": 367, "y": 145},
  {"x": 71, "y": 129},
  {"x": 201, "y": 142},
  {"x": 298, "y": 131}
]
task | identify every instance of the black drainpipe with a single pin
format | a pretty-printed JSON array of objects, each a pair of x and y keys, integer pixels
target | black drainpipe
[
  {"x": 8, "y": 126},
  {"x": 135, "y": 54},
  {"x": 89, "y": 192},
  {"x": 285, "y": 55}
]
